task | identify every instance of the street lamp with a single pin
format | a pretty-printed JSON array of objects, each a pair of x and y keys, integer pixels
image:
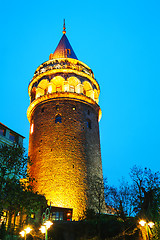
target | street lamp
[
  {"x": 151, "y": 224},
  {"x": 148, "y": 225},
  {"x": 24, "y": 232},
  {"x": 142, "y": 223},
  {"x": 46, "y": 225}
]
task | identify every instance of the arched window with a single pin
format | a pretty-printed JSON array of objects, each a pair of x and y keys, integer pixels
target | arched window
[
  {"x": 33, "y": 94},
  {"x": 58, "y": 119},
  {"x": 89, "y": 124},
  {"x": 67, "y": 52},
  {"x": 46, "y": 90},
  {"x": 72, "y": 88},
  {"x": 59, "y": 88}
]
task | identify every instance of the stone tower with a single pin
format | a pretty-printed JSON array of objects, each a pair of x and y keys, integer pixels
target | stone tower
[{"x": 64, "y": 143}]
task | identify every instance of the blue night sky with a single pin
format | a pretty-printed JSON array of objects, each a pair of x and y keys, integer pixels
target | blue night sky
[{"x": 119, "y": 41}]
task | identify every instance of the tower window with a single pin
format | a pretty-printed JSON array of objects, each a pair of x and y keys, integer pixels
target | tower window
[
  {"x": 89, "y": 123},
  {"x": 49, "y": 89},
  {"x": 33, "y": 94},
  {"x": 67, "y": 52},
  {"x": 88, "y": 112},
  {"x": 42, "y": 110},
  {"x": 57, "y": 107},
  {"x": 58, "y": 88},
  {"x": 32, "y": 128},
  {"x": 71, "y": 88},
  {"x": 58, "y": 119},
  {"x": 84, "y": 91},
  {"x": 46, "y": 91}
]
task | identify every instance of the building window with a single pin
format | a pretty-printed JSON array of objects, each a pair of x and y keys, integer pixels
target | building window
[
  {"x": 12, "y": 137},
  {"x": 58, "y": 119},
  {"x": 61, "y": 216},
  {"x": 56, "y": 216},
  {"x": 42, "y": 110},
  {"x": 53, "y": 216},
  {"x": 89, "y": 123},
  {"x": 88, "y": 112},
  {"x": 59, "y": 88},
  {"x": 2, "y": 132}
]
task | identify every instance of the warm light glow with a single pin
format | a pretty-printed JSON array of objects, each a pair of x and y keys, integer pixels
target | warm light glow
[
  {"x": 67, "y": 78},
  {"x": 22, "y": 233},
  {"x": 59, "y": 80},
  {"x": 27, "y": 230},
  {"x": 39, "y": 92},
  {"x": 48, "y": 224},
  {"x": 54, "y": 71},
  {"x": 50, "y": 88},
  {"x": 79, "y": 97},
  {"x": 99, "y": 115},
  {"x": 151, "y": 224},
  {"x": 32, "y": 126},
  {"x": 142, "y": 223},
  {"x": 43, "y": 229}
]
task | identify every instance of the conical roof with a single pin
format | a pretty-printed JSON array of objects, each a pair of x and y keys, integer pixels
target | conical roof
[{"x": 64, "y": 49}]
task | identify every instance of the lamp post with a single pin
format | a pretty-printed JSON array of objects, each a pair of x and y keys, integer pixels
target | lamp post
[
  {"x": 24, "y": 232},
  {"x": 44, "y": 228},
  {"x": 46, "y": 223},
  {"x": 148, "y": 225}
]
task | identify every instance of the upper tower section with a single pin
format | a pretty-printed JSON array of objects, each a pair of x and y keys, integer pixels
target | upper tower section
[
  {"x": 64, "y": 48},
  {"x": 63, "y": 76}
]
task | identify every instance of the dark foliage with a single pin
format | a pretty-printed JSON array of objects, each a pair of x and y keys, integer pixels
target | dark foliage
[
  {"x": 108, "y": 227},
  {"x": 16, "y": 194}
]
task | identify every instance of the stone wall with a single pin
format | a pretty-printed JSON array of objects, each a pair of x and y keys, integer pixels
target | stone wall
[{"x": 65, "y": 154}]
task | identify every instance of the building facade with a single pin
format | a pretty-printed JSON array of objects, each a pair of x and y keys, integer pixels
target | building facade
[
  {"x": 64, "y": 142},
  {"x": 9, "y": 137}
]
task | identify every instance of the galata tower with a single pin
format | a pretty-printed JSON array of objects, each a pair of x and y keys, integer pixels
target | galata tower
[{"x": 64, "y": 142}]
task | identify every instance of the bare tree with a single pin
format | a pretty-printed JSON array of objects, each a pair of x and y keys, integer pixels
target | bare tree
[
  {"x": 121, "y": 199},
  {"x": 146, "y": 187}
]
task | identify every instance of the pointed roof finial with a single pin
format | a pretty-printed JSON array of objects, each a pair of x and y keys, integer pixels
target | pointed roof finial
[{"x": 64, "y": 27}]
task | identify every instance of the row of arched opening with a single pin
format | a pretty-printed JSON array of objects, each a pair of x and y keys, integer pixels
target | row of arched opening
[{"x": 59, "y": 84}]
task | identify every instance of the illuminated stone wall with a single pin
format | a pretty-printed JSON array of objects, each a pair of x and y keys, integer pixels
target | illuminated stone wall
[{"x": 65, "y": 155}]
